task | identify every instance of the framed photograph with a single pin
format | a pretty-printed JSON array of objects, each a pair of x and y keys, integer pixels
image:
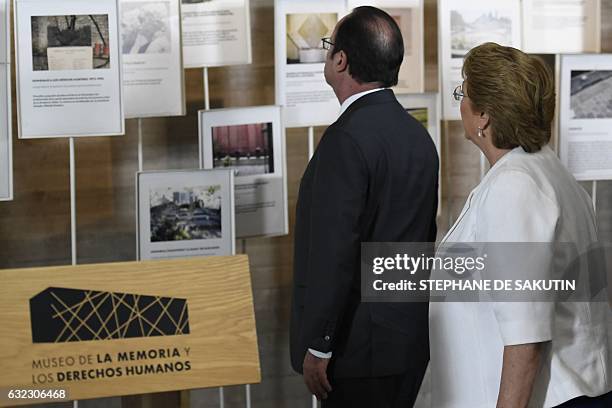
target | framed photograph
[
  {"x": 152, "y": 58},
  {"x": 426, "y": 109},
  {"x": 250, "y": 142},
  {"x": 408, "y": 14},
  {"x": 585, "y": 111},
  {"x": 216, "y": 33},
  {"x": 573, "y": 26},
  {"x": 68, "y": 66},
  {"x": 300, "y": 58},
  {"x": 185, "y": 213},
  {"x": 464, "y": 25},
  {"x": 6, "y": 147},
  {"x": 5, "y": 32}
]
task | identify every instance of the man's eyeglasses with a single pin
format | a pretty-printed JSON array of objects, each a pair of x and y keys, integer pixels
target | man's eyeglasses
[
  {"x": 327, "y": 44},
  {"x": 458, "y": 93}
]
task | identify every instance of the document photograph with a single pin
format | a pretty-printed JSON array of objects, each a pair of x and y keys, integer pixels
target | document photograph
[
  {"x": 570, "y": 26},
  {"x": 185, "y": 213},
  {"x": 249, "y": 142},
  {"x": 585, "y": 134},
  {"x": 216, "y": 33},
  {"x": 300, "y": 58},
  {"x": 464, "y": 25},
  {"x": 70, "y": 42},
  {"x": 152, "y": 58},
  {"x": 6, "y": 151},
  {"x": 304, "y": 33},
  {"x": 408, "y": 14},
  {"x": 68, "y": 65}
]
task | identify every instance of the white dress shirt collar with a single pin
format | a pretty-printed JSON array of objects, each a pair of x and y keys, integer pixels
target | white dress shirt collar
[{"x": 348, "y": 101}]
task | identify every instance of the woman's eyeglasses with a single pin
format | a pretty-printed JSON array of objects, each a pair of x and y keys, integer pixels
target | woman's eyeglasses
[{"x": 458, "y": 93}]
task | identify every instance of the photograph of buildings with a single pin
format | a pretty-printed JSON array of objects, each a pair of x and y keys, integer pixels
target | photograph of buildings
[
  {"x": 421, "y": 115},
  {"x": 591, "y": 94},
  {"x": 470, "y": 28},
  {"x": 185, "y": 213},
  {"x": 145, "y": 28},
  {"x": 304, "y": 33},
  {"x": 248, "y": 149},
  {"x": 70, "y": 42}
]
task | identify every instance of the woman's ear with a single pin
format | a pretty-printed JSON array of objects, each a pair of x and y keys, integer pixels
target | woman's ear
[{"x": 484, "y": 120}]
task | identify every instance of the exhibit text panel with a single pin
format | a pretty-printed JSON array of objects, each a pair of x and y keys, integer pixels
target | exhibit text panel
[
  {"x": 585, "y": 134},
  {"x": 68, "y": 67},
  {"x": 152, "y": 58},
  {"x": 250, "y": 141},
  {"x": 216, "y": 33}
]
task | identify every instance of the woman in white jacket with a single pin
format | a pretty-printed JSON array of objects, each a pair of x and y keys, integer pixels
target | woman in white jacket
[{"x": 519, "y": 354}]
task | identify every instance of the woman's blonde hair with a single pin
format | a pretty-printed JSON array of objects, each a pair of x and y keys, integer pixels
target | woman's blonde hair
[{"x": 516, "y": 90}]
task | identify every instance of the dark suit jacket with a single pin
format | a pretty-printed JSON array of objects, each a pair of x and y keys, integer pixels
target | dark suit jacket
[{"x": 373, "y": 178}]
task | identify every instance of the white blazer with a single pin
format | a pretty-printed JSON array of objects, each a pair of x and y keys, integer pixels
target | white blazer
[{"x": 525, "y": 197}]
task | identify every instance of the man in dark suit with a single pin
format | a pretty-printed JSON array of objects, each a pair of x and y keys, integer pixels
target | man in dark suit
[{"x": 373, "y": 178}]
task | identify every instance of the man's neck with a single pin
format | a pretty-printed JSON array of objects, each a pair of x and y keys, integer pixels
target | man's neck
[{"x": 354, "y": 88}]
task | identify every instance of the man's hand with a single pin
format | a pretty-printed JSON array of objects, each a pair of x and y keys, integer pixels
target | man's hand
[{"x": 315, "y": 375}]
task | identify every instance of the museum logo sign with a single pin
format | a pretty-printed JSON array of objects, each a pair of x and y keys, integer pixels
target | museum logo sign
[{"x": 61, "y": 315}]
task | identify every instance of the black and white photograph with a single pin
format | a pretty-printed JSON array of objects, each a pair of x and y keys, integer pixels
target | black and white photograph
[
  {"x": 591, "y": 94},
  {"x": 304, "y": 33},
  {"x": 70, "y": 42},
  {"x": 470, "y": 28},
  {"x": 248, "y": 149},
  {"x": 185, "y": 213},
  {"x": 145, "y": 28}
]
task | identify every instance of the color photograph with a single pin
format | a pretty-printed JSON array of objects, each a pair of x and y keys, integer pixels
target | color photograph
[
  {"x": 187, "y": 213},
  {"x": 591, "y": 94},
  {"x": 70, "y": 42},
  {"x": 248, "y": 149},
  {"x": 304, "y": 33},
  {"x": 145, "y": 28}
]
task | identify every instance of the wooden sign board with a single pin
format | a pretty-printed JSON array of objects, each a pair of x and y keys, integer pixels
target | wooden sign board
[{"x": 126, "y": 328}]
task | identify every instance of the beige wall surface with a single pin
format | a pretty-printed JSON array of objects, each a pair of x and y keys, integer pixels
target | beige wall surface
[{"x": 35, "y": 226}]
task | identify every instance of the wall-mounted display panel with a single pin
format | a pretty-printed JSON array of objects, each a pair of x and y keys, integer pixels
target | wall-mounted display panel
[
  {"x": 585, "y": 134},
  {"x": 426, "y": 109},
  {"x": 464, "y": 25},
  {"x": 300, "y": 59},
  {"x": 5, "y": 33},
  {"x": 408, "y": 15},
  {"x": 185, "y": 213},
  {"x": 6, "y": 151},
  {"x": 555, "y": 27},
  {"x": 216, "y": 33},
  {"x": 153, "y": 82},
  {"x": 250, "y": 141},
  {"x": 68, "y": 66}
]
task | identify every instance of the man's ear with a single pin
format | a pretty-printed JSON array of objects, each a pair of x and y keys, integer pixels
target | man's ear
[{"x": 340, "y": 61}]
